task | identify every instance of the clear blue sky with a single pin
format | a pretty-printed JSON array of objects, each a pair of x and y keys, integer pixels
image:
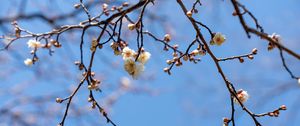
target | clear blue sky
[{"x": 194, "y": 95}]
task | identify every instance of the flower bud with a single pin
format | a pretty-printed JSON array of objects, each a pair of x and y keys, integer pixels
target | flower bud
[
  {"x": 169, "y": 62},
  {"x": 250, "y": 57},
  {"x": 76, "y": 6},
  {"x": 131, "y": 26},
  {"x": 104, "y": 6},
  {"x": 125, "y": 4},
  {"x": 234, "y": 13},
  {"x": 100, "y": 46},
  {"x": 189, "y": 13},
  {"x": 81, "y": 66},
  {"x": 283, "y": 107},
  {"x": 90, "y": 99},
  {"x": 58, "y": 100},
  {"x": 226, "y": 120},
  {"x": 17, "y": 32},
  {"x": 185, "y": 58},
  {"x": 241, "y": 59},
  {"x": 167, "y": 37},
  {"x": 166, "y": 69},
  {"x": 254, "y": 51},
  {"x": 28, "y": 62}
]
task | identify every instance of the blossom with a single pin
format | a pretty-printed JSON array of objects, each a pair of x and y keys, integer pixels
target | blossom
[
  {"x": 94, "y": 45},
  {"x": 28, "y": 62},
  {"x": 129, "y": 66},
  {"x": 144, "y": 57},
  {"x": 195, "y": 52},
  {"x": 93, "y": 86},
  {"x": 242, "y": 95},
  {"x": 275, "y": 37},
  {"x": 125, "y": 82},
  {"x": 127, "y": 53},
  {"x": 134, "y": 69},
  {"x": 219, "y": 38},
  {"x": 32, "y": 43}
]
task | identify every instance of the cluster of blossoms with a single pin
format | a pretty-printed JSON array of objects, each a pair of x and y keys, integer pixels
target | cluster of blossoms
[
  {"x": 134, "y": 68},
  {"x": 242, "y": 95},
  {"x": 134, "y": 61},
  {"x": 94, "y": 85},
  {"x": 35, "y": 45},
  {"x": 32, "y": 43}
]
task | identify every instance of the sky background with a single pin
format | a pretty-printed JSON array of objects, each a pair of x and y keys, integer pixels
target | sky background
[{"x": 194, "y": 95}]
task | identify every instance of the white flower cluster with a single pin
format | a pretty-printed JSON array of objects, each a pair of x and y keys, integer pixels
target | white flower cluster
[
  {"x": 134, "y": 68},
  {"x": 33, "y": 44},
  {"x": 242, "y": 95}
]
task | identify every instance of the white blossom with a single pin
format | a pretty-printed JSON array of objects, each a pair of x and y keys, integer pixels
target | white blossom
[
  {"x": 275, "y": 37},
  {"x": 125, "y": 82},
  {"x": 144, "y": 57},
  {"x": 93, "y": 86},
  {"x": 28, "y": 62},
  {"x": 127, "y": 53},
  {"x": 134, "y": 69},
  {"x": 242, "y": 95},
  {"x": 219, "y": 38},
  {"x": 32, "y": 43},
  {"x": 195, "y": 52}
]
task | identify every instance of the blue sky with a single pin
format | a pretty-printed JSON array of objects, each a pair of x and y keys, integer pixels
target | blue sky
[{"x": 194, "y": 94}]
